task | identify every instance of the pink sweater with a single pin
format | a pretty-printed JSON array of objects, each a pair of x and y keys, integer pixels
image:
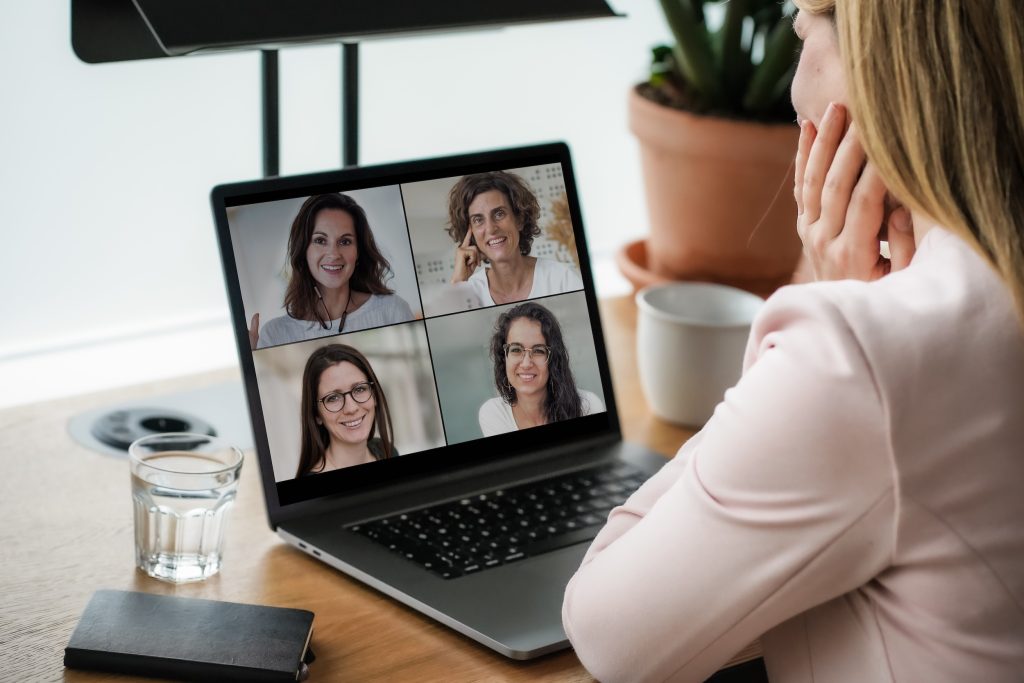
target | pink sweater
[{"x": 856, "y": 501}]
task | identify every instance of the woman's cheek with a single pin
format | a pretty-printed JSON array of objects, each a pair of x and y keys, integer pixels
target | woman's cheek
[{"x": 801, "y": 95}]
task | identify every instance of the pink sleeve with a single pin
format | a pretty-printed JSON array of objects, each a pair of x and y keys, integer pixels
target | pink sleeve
[{"x": 784, "y": 500}]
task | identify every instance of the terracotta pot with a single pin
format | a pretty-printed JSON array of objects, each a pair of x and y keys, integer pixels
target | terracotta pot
[{"x": 719, "y": 197}]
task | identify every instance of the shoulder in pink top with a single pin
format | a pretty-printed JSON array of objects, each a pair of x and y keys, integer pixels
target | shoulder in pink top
[{"x": 855, "y": 501}]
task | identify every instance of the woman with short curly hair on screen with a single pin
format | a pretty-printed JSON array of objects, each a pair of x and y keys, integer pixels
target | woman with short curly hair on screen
[
  {"x": 854, "y": 502},
  {"x": 493, "y": 219}
]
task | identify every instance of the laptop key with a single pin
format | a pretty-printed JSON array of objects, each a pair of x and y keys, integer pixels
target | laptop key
[
  {"x": 550, "y": 543},
  {"x": 427, "y": 559}
]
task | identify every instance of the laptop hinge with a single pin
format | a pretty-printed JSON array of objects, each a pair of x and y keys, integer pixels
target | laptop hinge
[{"x": 426, "y": 489}]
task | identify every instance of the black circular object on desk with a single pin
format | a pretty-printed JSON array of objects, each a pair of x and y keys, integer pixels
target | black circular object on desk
[{"x": 119, "y": 428}]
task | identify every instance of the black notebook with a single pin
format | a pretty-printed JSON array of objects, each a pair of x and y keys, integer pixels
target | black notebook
[{"x": 189, "y": 639}]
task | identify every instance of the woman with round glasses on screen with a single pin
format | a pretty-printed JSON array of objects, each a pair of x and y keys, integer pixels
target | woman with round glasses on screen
[
  {"x": 343, "y": 407},
  {"x": 337, "y": 281},
  {"x": 532, "y": 374}
]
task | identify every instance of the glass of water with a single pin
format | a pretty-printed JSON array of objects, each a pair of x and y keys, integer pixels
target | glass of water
[{"x": 182, "y": 488}]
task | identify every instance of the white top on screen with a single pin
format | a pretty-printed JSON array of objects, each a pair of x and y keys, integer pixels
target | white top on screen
[
  {"x": 496, "y": 415},
  {"x": 549, "y": 277},
  {"x": 379, "y": 309}
]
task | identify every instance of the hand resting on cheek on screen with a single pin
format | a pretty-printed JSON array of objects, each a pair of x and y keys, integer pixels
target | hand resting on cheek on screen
[{"x": 844, "y": 210}]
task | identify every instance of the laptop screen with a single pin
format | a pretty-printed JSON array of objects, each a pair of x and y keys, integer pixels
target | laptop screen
[{"x": 400, "y": 320}]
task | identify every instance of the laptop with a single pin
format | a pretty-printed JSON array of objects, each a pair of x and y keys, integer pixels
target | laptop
[{"x": 445, "y": 440}]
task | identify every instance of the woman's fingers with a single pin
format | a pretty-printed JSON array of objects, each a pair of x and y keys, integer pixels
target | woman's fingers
[
  {"x": 865, "y": 212},
  {"x": 467, "y": 256},
  {"x": 807, "y": 133},
  {"x": 837, "y": 194},
  {"x": 901, "y": 238},
  {"x": 254, "y": 330},
  {"x": 841, "y": 201},
  {"x": 845, "y": 210},
  {"x": 826, "y": 142}
]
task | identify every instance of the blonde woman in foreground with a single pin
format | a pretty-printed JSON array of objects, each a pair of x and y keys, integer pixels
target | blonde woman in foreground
[{"x": 855, "y": 501}]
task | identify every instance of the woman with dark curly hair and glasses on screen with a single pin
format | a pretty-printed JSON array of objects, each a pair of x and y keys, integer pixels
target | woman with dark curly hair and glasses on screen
[
  {"x": 337, "y": 280},
  {"x": 492, "y": 218},
  {"x": 532, "y": 374},
  {"x": 344, "y": 413}
]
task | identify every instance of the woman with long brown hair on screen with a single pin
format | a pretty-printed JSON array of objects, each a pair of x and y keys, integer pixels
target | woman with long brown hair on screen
[
  {"x": 344, "y": 414},
  {"x": 338, "y": 277}
]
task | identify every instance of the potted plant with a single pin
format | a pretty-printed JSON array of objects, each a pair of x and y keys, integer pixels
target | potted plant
[{"x": 717, "y": 140}]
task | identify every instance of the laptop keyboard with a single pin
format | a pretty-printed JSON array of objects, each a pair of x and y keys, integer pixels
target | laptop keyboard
[{"x": 506, "y": 525}]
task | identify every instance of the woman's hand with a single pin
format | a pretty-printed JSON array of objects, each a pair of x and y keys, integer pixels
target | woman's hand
[
  {"x": 254, "y": 331},
  {"x": 843, "y": 215},
  {"x": 467, "y": 258}
]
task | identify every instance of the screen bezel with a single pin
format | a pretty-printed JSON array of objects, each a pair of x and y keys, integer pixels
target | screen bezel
[{"x": 322, "y": 491}]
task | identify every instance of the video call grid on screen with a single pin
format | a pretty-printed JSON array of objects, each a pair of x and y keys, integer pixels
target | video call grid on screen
[{"x": 433, "y": 366}]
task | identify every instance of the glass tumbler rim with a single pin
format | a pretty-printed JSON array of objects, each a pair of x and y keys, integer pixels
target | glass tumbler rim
[{"x": 222, "y": 444}]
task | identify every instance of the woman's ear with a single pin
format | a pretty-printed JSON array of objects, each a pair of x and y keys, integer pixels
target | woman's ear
[{"x": 319, "y": 421}]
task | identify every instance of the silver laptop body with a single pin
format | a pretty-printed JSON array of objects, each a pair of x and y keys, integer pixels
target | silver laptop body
[{"x": 436, "y": 370}]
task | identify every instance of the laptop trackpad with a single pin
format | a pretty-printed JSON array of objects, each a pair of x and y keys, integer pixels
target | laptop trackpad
[{"x": 519, "y": 605}]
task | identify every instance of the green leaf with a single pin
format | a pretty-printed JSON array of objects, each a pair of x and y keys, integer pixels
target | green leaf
[
  {"x": 662, "y": 65},
  {"x": 697, "y": 7},
  {"x": 733, "y": 54},
  {"x": 692, "y": 51},
  {"x": 781, "y": 90},
  {"x": 771, "y": 73},
  {"x": 768, "y": 15},
  {"x": 659, "y": 53}
]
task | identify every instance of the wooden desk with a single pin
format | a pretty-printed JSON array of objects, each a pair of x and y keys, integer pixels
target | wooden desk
[{"x": 67, "y": 531}]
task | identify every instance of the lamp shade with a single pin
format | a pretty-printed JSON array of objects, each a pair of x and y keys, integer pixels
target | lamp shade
[{"x": 120, "y": 30}]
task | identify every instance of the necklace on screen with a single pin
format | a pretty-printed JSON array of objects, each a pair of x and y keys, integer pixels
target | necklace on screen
[{"x": 344, "y": 312}]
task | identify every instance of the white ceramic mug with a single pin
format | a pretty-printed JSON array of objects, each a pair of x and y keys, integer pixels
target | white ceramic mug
[{"x": 690, "y": 342}]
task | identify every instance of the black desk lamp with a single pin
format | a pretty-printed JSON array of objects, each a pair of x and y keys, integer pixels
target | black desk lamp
[{"x": 122, "y": 30}]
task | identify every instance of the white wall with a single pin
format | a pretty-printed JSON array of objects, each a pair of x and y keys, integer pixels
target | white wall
[{"x": 108, "y": 249}]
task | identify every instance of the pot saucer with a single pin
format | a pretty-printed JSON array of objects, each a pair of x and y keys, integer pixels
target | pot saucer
[{"x": 632, "y": 262}]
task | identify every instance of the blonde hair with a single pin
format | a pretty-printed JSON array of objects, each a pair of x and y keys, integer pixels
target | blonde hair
[{"x": 937, "y": 91}]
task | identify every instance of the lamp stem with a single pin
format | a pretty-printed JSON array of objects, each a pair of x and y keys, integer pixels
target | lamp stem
[
  {"x": 350, "y": 104},
  {"x": 271, "y": 114}
]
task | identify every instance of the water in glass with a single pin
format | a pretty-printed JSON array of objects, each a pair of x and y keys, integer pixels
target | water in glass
[{"x": 181, "y": 499}]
